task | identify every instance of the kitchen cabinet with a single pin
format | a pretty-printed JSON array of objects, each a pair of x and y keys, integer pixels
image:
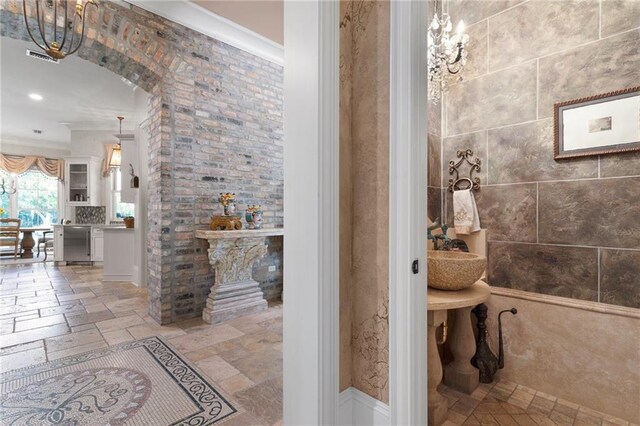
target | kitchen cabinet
[
  {"x": 58, "y": 243},
  {"x": 97, "y": 245},
  {"x": 82, "y": 181}
]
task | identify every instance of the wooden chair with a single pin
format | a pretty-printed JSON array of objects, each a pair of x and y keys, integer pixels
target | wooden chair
[
  {"x": 42, "y": 241},
  {"x": 10, "y": 234}
]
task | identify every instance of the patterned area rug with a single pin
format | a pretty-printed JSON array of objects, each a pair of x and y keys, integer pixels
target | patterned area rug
[{"x": 136, "y": 383}]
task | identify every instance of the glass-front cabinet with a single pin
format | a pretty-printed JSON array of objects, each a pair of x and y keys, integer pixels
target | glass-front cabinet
[{"x": 82, "y": 181}]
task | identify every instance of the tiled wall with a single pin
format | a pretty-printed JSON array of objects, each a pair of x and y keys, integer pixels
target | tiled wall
[
  {"x": 569, "y": 228},
  {"x": 215, "y": 125},
  {"x": 91, "y": 214}
]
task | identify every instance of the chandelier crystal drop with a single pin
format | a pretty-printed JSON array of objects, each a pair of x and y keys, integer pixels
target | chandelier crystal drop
[
  {"x": 60, "y": 25},
  {"x": 446, "y": 54}
]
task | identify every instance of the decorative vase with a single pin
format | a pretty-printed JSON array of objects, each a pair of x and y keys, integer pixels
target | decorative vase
[
  {"x": 228, "y": 201},
  {"x": 253, "y": 216},
  {"x": 128, "y": 222}
]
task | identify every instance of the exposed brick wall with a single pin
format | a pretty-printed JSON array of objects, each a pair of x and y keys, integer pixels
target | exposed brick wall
[{"x": 216, "y": 125}]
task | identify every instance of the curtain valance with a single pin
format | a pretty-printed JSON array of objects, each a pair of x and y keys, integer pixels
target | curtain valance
[{"x": 18, "y": 164}]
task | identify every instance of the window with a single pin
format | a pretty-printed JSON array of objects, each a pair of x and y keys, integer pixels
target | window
[
  {"x": 118, "y": 209},
  {"x": 36, "y": 200}
]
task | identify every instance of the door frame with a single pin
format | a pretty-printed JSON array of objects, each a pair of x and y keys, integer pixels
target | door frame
[
  {"x": 407, "y": 214},
  {"x": 311, "y": 204}
]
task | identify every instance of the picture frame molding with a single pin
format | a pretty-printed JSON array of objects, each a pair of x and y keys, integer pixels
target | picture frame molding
[{"x": 557, "y": 107}]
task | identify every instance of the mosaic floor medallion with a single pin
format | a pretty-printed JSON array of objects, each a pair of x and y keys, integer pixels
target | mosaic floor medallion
[{"x": 136, "y": 383}]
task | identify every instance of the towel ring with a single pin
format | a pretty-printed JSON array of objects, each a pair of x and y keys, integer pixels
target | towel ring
[{"x": 472, "y": 183}]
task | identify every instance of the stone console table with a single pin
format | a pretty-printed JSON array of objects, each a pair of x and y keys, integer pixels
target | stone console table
[
  {"x": 459, "y": 373},
  {"x": 232, "y": 254}
]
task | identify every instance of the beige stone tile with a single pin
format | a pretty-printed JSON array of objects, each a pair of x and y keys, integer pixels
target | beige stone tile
[
  {"x": 39, "y": 322},
  {"x": 500, "y": 98},
  {"x": 32, "y": 335},
  {"x": 619, "y": 16},
  {"x": 546, "y": 396},
  {"x": 147, "y": 330},
  {"x": 542, "y": 420},
  {"x": 117, "y": 336},
  {"x": 88, "y": 318},
  {"x": 604, "y": 66},
  {"x": 126, "y": 305},
  {"x": 67, "y": 308},
  {"x": 241, "y": 419},
  {"x": 236, "y": 383},
  {"x": 76, "y": 350},
  {"x": 201, "y": 353},
  {"x": 204, "y": 338},
  {"x": 516, "y": 33},
  {"x": 587, "y": 419},
  {"x": 71, "y": 340},
  {"x": 83, "y": 327},
  {"x": 22, "y": 359},
  {"x": 524, "y": 420},
  {"x": 22, "y": 348},
  {"x": 216, "y": 368},
  {"x": 263, "y": 401},
  {"x": 456, "y": 418},
  {"x": 76, "y": 296},
  {"x": 561, "y": 419},
  {"x": 505, "y": 420},
  {"x": 119, "y": 323}
]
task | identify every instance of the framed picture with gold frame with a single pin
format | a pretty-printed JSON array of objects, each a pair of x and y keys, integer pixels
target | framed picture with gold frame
[{"x": 602, "y": 124}]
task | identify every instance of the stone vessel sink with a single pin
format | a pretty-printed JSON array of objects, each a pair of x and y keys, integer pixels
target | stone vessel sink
[{"x": 454, "y": 270}]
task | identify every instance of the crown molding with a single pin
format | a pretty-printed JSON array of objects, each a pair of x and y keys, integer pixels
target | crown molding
[{"x": 208, "y": 23}]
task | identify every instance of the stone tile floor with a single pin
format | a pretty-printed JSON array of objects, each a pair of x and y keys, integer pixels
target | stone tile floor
[
  {"x": 509, "y": 404},
  {"x": 49, "y": 312}
]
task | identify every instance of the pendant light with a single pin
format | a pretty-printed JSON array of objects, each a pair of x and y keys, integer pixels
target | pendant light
[
  {"x": 67, "y": 32},
  {"x": 116, "y": 154}
]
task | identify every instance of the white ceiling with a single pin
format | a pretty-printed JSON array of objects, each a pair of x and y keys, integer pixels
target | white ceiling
[
  {"x": 77, "y": 95},
  {"x": 265, "y": 17}
]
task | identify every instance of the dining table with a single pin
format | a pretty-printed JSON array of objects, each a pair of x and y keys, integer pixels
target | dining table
[{"x": 28, "y": 242}]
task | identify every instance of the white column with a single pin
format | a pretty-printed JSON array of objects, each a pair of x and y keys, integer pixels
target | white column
[
  {"x": 311, "y": 327},
  {"x": 407, "y": 214}
]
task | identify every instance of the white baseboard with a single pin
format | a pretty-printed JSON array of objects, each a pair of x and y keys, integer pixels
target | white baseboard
[
  {"x": 118, "y": 277},
  {"x": 359, "y": 409}
]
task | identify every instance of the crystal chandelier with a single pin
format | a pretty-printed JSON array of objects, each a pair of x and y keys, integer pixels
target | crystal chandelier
[
  {"x": 446, "y": 54},
  {"x": 54, "y": 24}
]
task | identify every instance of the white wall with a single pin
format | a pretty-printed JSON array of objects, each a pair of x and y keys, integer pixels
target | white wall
[
  {"x": 139, "y": 159},
  {"x": 17, "y": 147}
]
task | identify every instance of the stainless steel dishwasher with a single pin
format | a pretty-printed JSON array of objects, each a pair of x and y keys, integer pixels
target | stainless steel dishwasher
[{"x": 77, "y": 243}]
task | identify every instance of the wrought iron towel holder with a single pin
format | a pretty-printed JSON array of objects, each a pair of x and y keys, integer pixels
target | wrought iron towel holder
[{"x": 472, "y": 182}]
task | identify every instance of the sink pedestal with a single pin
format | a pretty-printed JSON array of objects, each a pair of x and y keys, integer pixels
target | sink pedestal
[
  {"x": 232, "y": 254},
  {"x": 460, "y": 374},
  {"x": 437, "y": 404}
]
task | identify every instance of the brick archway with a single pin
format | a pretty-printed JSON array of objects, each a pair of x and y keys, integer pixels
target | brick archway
[{"x": 206, "y": 100}]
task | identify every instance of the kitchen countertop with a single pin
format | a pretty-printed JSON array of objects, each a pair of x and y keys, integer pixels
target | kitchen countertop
[{"x": 95, "y": 225}]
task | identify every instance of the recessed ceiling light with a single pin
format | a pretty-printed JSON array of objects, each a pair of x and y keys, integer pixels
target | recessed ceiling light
[{"x": 35, "y": 96}]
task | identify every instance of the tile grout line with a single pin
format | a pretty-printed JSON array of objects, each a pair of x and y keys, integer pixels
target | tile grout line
[
  {"x": 587, "y": 179},
  {"x": 600, "y": 20},
  {"x": 599, "y": 255},
  {"x": 532, "y": 243},
  {"x": 537, "y": 212},
  {"x": 559, "y": 52}
]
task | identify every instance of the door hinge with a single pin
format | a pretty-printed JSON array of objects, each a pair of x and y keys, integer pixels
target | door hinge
[{"x": 415, "y": 266}]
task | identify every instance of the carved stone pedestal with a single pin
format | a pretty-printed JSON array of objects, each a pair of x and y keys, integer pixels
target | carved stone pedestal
[
  {"x": 232, "y": 254},
  {"x": 437, "y": 404},
  {"x": 460, "y": 374}
]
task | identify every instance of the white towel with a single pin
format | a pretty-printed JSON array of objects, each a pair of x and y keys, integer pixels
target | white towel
[{"x": 465, "y": 212}]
